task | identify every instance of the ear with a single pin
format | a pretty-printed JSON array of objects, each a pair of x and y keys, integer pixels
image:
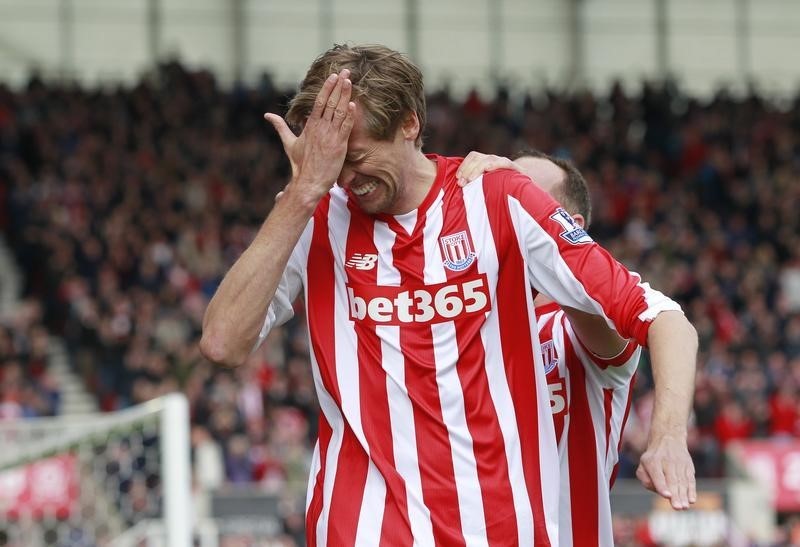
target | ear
[
  {"x": 579, "y": 220},
  {"x": 410, "y": 126}
]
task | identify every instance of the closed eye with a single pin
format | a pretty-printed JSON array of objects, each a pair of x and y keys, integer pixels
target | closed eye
[{"x": 356, "y": 155}]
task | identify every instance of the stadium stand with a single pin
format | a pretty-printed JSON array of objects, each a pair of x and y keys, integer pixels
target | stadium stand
[{"x": 125, "y": 206}]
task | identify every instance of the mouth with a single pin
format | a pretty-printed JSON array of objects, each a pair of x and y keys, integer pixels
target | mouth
[{"x": 364, "y": 189}]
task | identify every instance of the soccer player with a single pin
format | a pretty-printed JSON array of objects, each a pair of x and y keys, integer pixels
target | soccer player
[
  {"x": 589, "y": 373},
  {"x": 435, "y": 423}
]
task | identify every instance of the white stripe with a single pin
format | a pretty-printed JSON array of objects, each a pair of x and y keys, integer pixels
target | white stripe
[
  {"x": 370, "y": 519},
  {"x": 433, "y": 272},
  {"x": 335, "y": 420},
  {"x": 656, "y": 301},
  {"x": 605, "y": 532},
  {"x": 312, "y": 474},
  {"x": 565, "y": 498},
  {"x": 604, "y": 470},
  {"x": 541, "y": 320},
  {"x": 401, "y": 413},
  {"x": 384, "y": 239},
  {"x": 618, "y": 377},
  {"x": 345, "y": 339},
  {"x": 407, "y": 220},
  {"x": 541, "y": 257},
  {"x": 451, "y": 397},
  {"x": 477, "y": 218},
  {"x": 618, "y": 405}
]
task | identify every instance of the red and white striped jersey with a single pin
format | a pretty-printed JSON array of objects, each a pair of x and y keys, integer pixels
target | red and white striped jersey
[
  {"x": 590, "y": 398},
  {"x": 435, "y": 424}
]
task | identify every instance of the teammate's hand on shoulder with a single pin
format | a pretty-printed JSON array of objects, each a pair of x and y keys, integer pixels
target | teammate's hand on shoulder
[
  {"x": 317, "y": 155},
  {"x": 667, "y": 469},
  {"x": 476, "y": 164}
]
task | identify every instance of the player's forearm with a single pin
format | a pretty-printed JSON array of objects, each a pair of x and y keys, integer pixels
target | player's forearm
[
  {"x": 236, "y": 313},
  {"x": 595, "y": 333},
  {"x": 673, "y": 354}
]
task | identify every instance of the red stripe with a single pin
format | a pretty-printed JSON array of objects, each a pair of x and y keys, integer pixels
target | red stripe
[
  {"x": 374, "y": 404},
  {"x": 515, "y": 337},
  {"x": 547, "y": 307},
  {"x": 484, "y": 427},
  {"x": 321, "y": 290},
  {"x": 315, "y": 506},
  {"x": 433, "y": 443},
  {"x": 581, "y": 454}
]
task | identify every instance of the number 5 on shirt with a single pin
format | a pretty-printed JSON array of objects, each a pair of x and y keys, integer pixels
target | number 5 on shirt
[{"x": 558, "y": 396}]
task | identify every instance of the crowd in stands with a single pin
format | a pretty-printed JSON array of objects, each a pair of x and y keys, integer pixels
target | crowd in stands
[
  {"x": 27, "y": 389},
  {"x": 126, "y": 205}
]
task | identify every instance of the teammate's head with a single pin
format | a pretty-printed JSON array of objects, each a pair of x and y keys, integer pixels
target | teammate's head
[
  {"x": 386, "y": 86},
  {"x": 561, "y": 179}
]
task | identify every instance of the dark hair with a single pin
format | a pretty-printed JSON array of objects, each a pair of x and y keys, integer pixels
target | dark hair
[
  {"x": 385, "y": 82},
  {"x": 573, "y": 193}
]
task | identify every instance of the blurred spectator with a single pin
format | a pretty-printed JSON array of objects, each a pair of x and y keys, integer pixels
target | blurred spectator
[
  {"x": 732, "y": 423},
  {"x": 27, "y": 388},
  {"x": 208, "y": 460}
]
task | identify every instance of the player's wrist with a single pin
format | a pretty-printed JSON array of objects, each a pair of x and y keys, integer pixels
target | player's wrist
[
  {"x": 669, "y": 431},
  {"x": 304, "y": 194}
]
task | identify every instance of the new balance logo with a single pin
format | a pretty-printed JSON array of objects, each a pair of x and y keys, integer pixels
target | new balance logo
[{"x": 362, "y": 261}]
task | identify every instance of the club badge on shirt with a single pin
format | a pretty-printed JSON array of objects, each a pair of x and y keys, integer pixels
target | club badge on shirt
[
  {"x": 549, "y": 356},
  {"x": 456, "y": 251}
]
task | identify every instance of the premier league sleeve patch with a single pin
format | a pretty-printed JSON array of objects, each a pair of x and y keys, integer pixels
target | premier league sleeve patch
[{"x": 572, "y": 233}]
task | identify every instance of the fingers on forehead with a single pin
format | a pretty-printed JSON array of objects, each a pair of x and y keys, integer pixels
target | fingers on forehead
[
  {"x": 347, "y": 123},
  {"x": 344, "y": 98},
  {"x": 322, "y": 96}
]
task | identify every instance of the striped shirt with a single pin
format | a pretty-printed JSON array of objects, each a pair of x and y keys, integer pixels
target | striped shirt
[
  {"x": 590, "y": 398},
  {"x": 435, "y": 423}
]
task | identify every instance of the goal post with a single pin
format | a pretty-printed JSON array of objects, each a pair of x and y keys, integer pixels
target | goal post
[
  {"x": 97, "y": 477},
  {"x": 177, "y": 467}
]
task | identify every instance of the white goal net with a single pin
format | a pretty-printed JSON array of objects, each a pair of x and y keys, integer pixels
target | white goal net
[{"x": 112, "y": 479}]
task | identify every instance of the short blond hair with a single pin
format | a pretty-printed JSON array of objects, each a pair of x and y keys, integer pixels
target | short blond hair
[{"x": 386, "y": 84}]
